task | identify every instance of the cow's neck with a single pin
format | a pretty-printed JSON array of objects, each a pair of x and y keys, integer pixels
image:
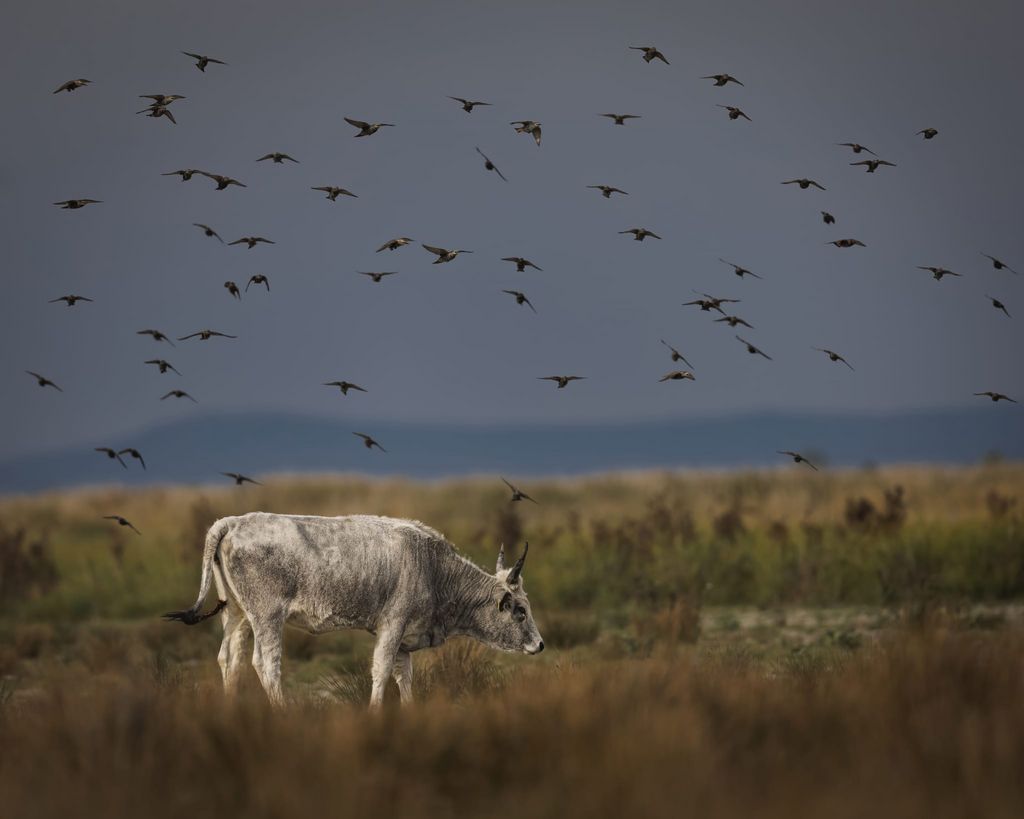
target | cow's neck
[{"x": 468, "y": 593}]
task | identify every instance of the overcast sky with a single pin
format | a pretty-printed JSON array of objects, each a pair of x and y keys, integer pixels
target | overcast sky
[{"x": 443, "y": 343}]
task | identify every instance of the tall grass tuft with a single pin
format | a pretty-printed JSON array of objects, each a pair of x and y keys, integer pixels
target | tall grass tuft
[{"x": 925, "y": 725}]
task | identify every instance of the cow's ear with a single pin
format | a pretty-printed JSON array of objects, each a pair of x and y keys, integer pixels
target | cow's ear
[{"x": 506, "y": 602}]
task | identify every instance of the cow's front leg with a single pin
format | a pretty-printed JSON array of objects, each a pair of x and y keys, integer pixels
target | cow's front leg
[
  {"x": 388, "y": 642},
  {"x": 403, "y": 675}
]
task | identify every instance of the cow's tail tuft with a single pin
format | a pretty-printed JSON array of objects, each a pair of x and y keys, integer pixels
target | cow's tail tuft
[{"x": 193, "y": 615}]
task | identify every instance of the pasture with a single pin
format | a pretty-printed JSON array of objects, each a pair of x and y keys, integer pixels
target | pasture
[{"x": 720, "y": 644}]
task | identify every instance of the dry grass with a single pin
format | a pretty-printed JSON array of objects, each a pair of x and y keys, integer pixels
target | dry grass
[
  {"x": 927, "y": 725},
  {"x": 723, "y": 645}
]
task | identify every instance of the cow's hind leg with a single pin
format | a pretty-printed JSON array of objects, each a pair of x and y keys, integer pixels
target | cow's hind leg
[
  {"x": 402, "y": 673},
  {"x": 232, "y": 647},
  {"x": 266, "y": 655}
]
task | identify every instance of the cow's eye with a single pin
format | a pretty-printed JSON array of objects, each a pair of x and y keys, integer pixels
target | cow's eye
[{"x": 519, "y": 614}]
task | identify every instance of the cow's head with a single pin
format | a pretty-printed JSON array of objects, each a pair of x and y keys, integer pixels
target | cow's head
[{"x": 510, "y": 621}]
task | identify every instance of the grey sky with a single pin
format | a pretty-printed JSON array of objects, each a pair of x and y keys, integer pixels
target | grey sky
[{"x": 442, "y": 342}]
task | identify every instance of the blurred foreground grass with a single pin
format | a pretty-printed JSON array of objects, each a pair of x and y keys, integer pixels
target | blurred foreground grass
[{"x": 923, "y": 723}]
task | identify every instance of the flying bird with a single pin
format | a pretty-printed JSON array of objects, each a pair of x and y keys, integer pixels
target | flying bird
[
  {"x": 520, "y": 298},
  {"x": 873, "y": 165},
  {"x": 797, "y": 458},
  {"x": 608, "y": 190},
  {"x": 739, "y": 270},
  {"x": 677, "y": 375},
  {"x": 156, "y": 111},
  {"x": 803, "y": 183},
  {"x": 468, "y": 105},
  {"x": 368, "y": 441},
  {"x": 650, "y": 53},
  {"x": 133, "y": 453},
  {"x": 562, "y": 380},
  {"x": 705, "y": 304},
  {"x": 846, "y": 243},
  {"x": 232, "y": 288},
  {"x": 834, "y": 356},
  {"x": 259, "y": 278},
  {"x": 377, "y": 276},
  {"x": 928, "y": 133},
  {"x": 394, "y": 244},
  {"x": 752, "y": 349},
  {"x": 161, "y": 100},
  {"x": 72, "y": 85},
  {"x": 676, "y": 355},
  {"x": 202, "y": 61},
  {"x": 999, "y": 305},
  {"x": 205, "y": 335},
  {"x": 998, "y": 265},
  {"x": 367, "y": 128},
  {"x": 444, "y": 255},
  {"x": 278, "y": 158},
  {"x": 112, "y": 454},
  {"x": 734, "y": 321},
  {"x": 735, "y": 113},
  {"x": 239, "y": 478},
  {"x": 178, "y": 394},
  {"x": 333, "y": 192},
  {"x": 162, "y": 365},
  {"x": 251, "y": 241},
  {"x": 490, "y": 165},
  {"x": 517, "y": 493},
  {"x": 223, "y": 181},
  {"x": 639, "y": 234},
  {"x": 43, "y": 381},
  {"x": 71, "y": 299},
  {"x": 996, "y": 396},
  {"x": 186, "y": 174},
  {"x": 527, "y": 126},
  {"x": 521, "y": 263},
  {"x": 209, "y": 231},
  {"x": 856, "y": 147},
  {"x": 620, "y": 119},
  {"x": 122, "y": 522},
  {"x": 76, "y": 204},
  {"x": 827, "y": 218},
  {"x": 156, "y": 334},
  {"x": 938, "y": 272},
  {"x": 709, "y": 303},
  {"x": 722, "y": 79},
  {"x": 344, "y": 386}
]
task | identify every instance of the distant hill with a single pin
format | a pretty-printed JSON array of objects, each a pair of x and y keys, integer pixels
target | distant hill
[{"x": 197, "y": 450}]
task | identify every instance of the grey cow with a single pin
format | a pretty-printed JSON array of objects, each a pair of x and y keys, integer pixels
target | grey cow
[{"x": 397, "y": 579}]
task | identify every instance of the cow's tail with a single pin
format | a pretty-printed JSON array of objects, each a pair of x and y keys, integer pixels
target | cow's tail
[{"x": 192, "y": 616}]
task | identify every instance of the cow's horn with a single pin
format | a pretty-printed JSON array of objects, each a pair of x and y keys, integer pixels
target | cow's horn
[
  {"x": 501, "y": 558},
  {"x": 513, "y": 576}
]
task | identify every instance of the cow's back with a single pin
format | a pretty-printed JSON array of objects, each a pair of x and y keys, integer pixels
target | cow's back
[{"x": 325, "y": 573}]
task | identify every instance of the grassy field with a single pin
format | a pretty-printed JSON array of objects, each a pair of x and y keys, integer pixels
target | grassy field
[{"x": 727, "y": 644}]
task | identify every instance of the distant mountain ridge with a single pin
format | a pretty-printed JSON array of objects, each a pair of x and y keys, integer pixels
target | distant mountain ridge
[{"x": 196, "y": 450}]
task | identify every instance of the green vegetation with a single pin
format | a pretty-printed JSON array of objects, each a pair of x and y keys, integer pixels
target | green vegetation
[{"x": 612, "y": 544}]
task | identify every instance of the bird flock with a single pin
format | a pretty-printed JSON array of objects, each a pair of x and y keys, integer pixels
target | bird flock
[{"x": 160, "y": 107}]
